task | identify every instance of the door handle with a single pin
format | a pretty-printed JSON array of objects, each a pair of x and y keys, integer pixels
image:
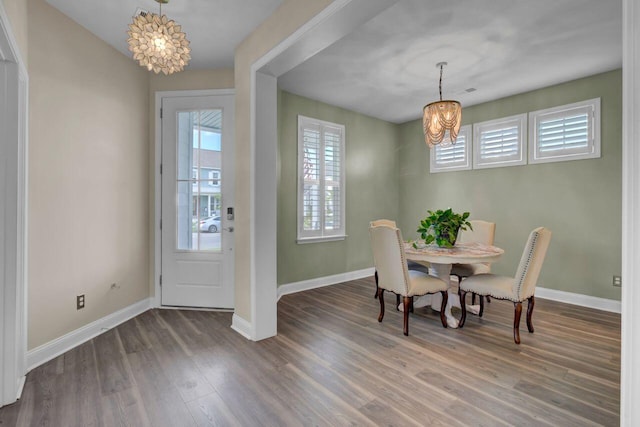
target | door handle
[{"x": 229, "y": 229}]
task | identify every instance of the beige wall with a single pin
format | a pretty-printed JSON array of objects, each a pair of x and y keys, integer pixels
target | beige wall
[
  {"x": 186, "y": 80},
  {"x": 88, "y": 176},
  {"x": 285, "y": 20},
  {"x": 17, "y": 14}
]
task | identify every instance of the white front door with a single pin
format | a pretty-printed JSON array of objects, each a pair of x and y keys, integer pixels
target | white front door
[{"x": 197, "y": 201}]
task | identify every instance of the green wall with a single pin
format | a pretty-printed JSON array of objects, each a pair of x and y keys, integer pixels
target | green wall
[
  {"x": 371, "y": 189},
  {"x": 580, "y": 201},
  {"x": 388, "y": 177}
]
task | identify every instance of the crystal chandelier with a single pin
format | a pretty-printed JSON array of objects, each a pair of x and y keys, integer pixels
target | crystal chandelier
[
  {"x": 158, "y": 43},
  {"x": 441, "y": 119}
]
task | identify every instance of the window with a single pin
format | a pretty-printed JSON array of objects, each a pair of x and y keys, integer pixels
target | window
[
  {"x": 500, "y": 142},
  {"x": 214, "y": 177},
  {"x": 321, "y": 199},
  {"x": 568, "y": 132},
  {"x": 453, "y": 157}
]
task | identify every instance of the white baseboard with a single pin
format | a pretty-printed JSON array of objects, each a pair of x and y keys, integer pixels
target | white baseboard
[
  {"x": 550, "y": 294},
  {"x": 305, "y": 285},
  {"x": 55, "y": 348},
  {"x": 579, "y": 299},
  {"x": 242, "y": 327}
]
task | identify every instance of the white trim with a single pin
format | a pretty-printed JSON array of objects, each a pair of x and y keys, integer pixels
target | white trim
[
  {"x": 306, "y": 240},
  {"x": 319, "y": 282},
  {"x": 58, "y": 346},
  {"x": 579, "y": 299},
  {"x": 321, "y": 234},
  {"x": 330, "y": 24},
  {"x": 520, "y": 122},
  {"x": 630, "y": 334},
  {"x": 242, "y": 327},
  {"x": 589, "y": 107},
  {"x": 13, "y": 214},
  {"x": 434, "y": 167},
  {"x": 157, "y": 251}
]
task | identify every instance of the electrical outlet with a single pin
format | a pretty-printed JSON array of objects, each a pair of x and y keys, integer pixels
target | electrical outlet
[
  {"x": 617, "y": 281},
  {"x": 80, "y": 302}
]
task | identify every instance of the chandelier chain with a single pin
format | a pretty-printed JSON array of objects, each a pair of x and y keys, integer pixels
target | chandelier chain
[{"x": 440, "y": 86}]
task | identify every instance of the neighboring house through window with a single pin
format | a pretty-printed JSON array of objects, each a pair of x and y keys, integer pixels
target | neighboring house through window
[{"x": 321, "y": 198}]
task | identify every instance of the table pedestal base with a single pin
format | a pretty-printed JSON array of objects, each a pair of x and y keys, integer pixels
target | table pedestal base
[{"x": 443, "y": 272}]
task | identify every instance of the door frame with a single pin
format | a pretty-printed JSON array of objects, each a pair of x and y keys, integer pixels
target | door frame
[
  {"x": 13, "y": 214},
  {"x": 156, "y": 236}
]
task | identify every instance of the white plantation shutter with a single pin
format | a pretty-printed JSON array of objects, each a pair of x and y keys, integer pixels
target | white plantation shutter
[
  {"x": 500, "y": 142},
  {"x": 568, "y": 132},
  {"x": 445, "y": 158},
  {"x": 321, "y": 203}
]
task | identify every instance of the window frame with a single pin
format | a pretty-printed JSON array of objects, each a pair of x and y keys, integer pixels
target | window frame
[
  {"x": 322, "y": 235},
  {"x": 593, "y": 149},
  {"x": 519, "y": 121},
  {"x": 435, "y": 167}
]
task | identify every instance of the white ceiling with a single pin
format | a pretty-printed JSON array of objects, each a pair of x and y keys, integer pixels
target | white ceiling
[
  {"x": 214, "y": 27},
  {"x": 386, "y": 67}
]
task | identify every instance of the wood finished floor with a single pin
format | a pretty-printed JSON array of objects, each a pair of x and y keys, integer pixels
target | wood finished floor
[{"x": 333, "y": 364}]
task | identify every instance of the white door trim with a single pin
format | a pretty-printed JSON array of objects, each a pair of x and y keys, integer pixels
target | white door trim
[
  {"x": 157, "y": 251},
  {"x": 13, "y": 214},
  {"x": 630, "y": 334},
  {"x": 332, "y": 23}
]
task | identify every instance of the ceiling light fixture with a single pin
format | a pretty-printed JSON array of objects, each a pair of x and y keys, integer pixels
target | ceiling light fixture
[
  {"x": 158, "y": 43},
  {"x": 441, "y": 119}
]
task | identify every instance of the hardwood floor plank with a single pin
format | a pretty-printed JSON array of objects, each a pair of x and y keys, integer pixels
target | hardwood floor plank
[
  {"x": 112, "y": 374},
  {"x": 333, "y": 363}
]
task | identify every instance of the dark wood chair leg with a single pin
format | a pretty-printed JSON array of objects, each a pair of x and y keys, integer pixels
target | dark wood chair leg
[
  {"x": 481, "y": 305},
  {"x": 532, "y": 302},
  {"x": 381, "y": 299},
  {"x": 443, "y": 317},
  {"x": 397, "y": 302},
  {"x": 375, "y": 275},
  {"x": 516, "y": 321},
  {"x": 488, "y": 298},
  {"x": 463, "y": 307},
  {"x": 411, "y": 309},
  {"x": 406, "y": 302},
  {"x": 473, "y": 298}
]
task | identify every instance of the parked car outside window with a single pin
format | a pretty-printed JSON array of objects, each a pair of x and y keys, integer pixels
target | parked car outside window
[{"x": 210, "y": 224}]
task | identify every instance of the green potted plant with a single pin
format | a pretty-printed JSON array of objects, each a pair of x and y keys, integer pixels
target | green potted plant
[{"x": 442, "y": 227}]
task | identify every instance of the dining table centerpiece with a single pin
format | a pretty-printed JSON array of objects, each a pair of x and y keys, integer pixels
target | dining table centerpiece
[{"x": 442, "y": 227}]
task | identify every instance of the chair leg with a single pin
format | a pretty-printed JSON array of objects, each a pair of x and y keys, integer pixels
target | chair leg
[
  {"x": 443, "y": 317},
  {"x": 532, "y": 302},
  {"x": 407, "y": 303},
  {"x": 473, "y": 298},
  {"x": 381, "y": 299},
  {"x": 516, "y": 321},
  {"x": 397, "y": 302},
  {"x": 375, "y": 275},
  {"x": 488, "y": 298},
  {"x": 481, "y": 304},
  {"x": 463, "y": 307}
]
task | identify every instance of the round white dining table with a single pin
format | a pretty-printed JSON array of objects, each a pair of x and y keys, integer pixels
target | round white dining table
[{"x": 440, "y": 261}]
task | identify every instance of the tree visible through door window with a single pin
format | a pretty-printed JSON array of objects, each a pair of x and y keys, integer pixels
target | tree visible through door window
[{"x": 321, "y": 198}]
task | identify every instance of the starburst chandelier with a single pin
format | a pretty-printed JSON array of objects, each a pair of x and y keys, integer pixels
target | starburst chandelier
[
  {"x": 158, "y": 43},
  {"x": 441, "y": 119}
]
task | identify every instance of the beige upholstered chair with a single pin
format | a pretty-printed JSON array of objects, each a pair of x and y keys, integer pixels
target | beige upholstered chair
[
  {"x": 483, "y": 232},
  {"x": 410, "y": 264},
  {"x": 394, "y": 276},
  {"x": 516, "y": 289}
]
